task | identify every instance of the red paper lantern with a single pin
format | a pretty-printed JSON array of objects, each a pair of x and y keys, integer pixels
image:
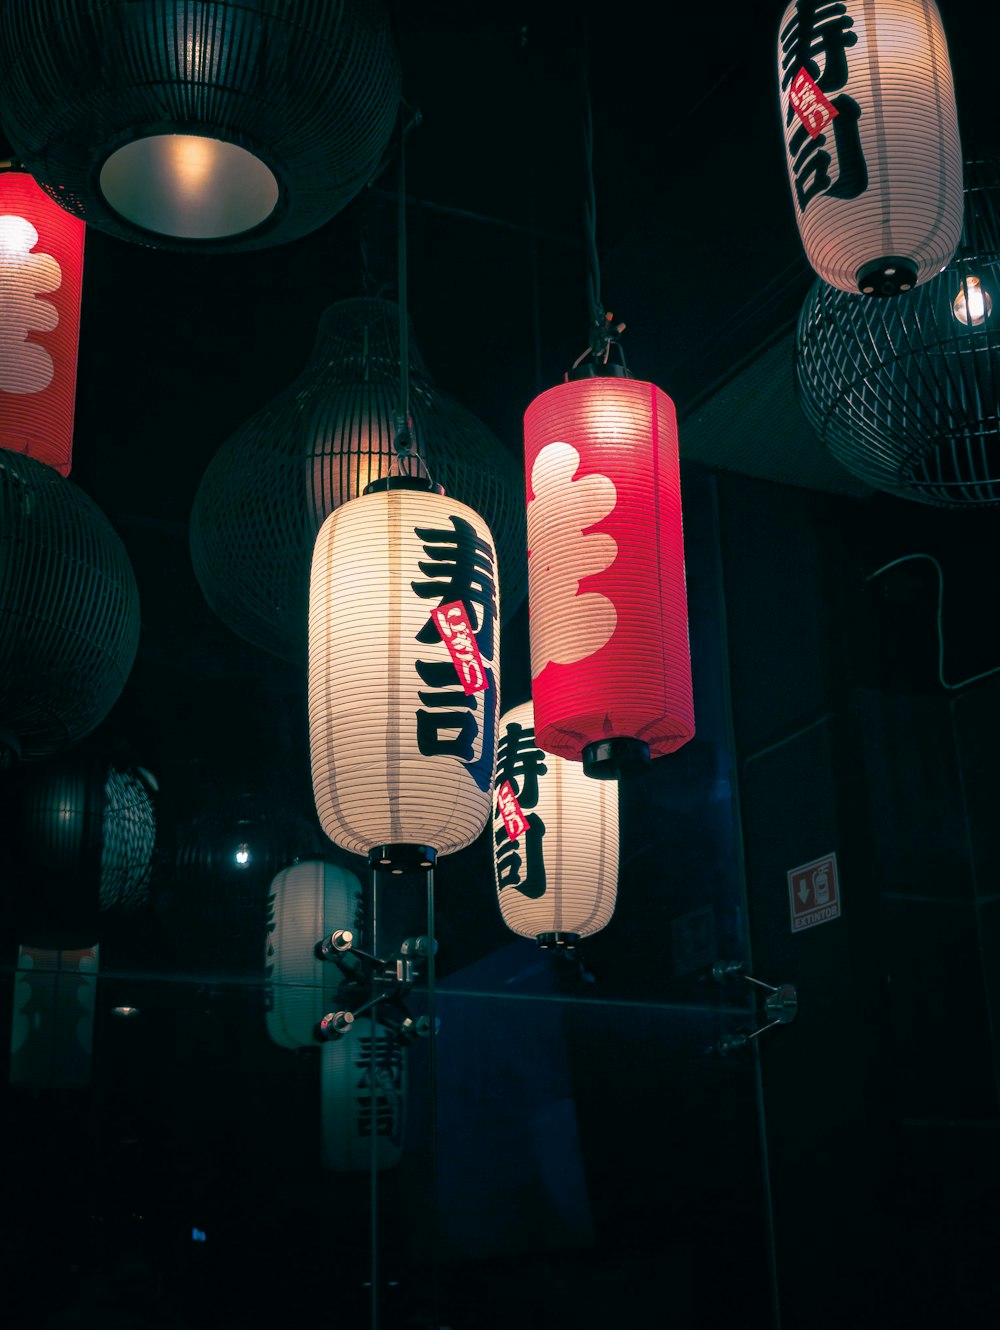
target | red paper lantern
[
  {"x": 41, "y": 278},
  {"x": 610, "y": 659}
]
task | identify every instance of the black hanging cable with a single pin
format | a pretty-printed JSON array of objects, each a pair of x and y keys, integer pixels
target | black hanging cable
[{"x": 603, "y": 331}]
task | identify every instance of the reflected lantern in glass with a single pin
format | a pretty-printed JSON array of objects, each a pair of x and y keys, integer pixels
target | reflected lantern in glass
[
  {"x": 607, "y": 598},
  {"x": 555, "y": 839},
  {"x": 41, "y": 281},
  {"x": 402, "y": 728},
  {"x": 363, "y": 1085},
  {"x": 307, "y": 902},
  {"x": 871, "y": 141}
]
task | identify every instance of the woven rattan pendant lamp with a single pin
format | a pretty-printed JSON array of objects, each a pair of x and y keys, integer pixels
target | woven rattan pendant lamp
[
  {"x": 871, "y": 140},
  {"x": 199, "y": 124},
  {"x": 269, "y": 488},
  {"x": 69, "y": 611},
  {"x": 906, "y": 393}
]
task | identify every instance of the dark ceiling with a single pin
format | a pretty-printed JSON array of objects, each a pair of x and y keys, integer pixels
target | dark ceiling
[{"x": 699, "y": 256}]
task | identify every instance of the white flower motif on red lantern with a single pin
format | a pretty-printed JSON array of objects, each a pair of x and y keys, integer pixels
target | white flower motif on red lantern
[{"x": 560, "y": 520}]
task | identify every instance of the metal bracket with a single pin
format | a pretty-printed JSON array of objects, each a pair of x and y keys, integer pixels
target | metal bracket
[
  {"x": 781, "y": 1006},
  {"x": 375, "y": 980}
]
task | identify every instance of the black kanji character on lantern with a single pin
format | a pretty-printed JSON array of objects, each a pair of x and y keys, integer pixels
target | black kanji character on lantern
[
  {"x": 530, "y": 882},
  {"x": 520, "y": 762},
  {"x": 448, "y": 726},
  {"x": 817, "y": 39},
  {"x": 459, "y": 566},
  {"x": 380, "y": 1098},
  {"x": 818, "y": 28}
]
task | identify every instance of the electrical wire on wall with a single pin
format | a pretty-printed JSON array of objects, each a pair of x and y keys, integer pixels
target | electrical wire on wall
[{"x": 951, "y": 687}]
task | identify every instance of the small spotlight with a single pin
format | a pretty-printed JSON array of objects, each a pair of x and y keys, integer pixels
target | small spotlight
[
  {"x": 972, "y": 305},
  {"x": 243, "y": 853},
  {"x": 125, "y": 1013}
]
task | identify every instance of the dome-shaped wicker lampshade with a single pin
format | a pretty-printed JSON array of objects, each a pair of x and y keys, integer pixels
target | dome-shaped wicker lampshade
[
  {"x": 555, "y": 839},
  {"x": 270, "y": 487},
  {"x": 199, "y": 124},
  {"x": 307, "y": 902},
  {"x": 79, "y": 833},
  {"x": 403, "y": 745},
  {"x": 871, "y": 140},
  {"x": 906, "y": 393},
  {"x": 69, "y": 611}
]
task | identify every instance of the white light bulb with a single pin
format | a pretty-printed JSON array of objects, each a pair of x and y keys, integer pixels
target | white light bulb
[{"x": 972, "y": 305}]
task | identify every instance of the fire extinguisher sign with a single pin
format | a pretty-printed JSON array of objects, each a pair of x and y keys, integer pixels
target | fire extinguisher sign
[{"x": 814, "y": 893}]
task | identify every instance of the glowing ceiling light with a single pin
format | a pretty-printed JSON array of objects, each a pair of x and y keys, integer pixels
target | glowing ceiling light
[{"x": 972, "y": 305}]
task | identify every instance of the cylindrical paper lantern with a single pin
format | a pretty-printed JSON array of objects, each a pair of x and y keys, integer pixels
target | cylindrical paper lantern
[
  {"x": 363, "y": 1084},
  {"x": 871, "y": 140},
  {"x": 403, "y": 674},
  {"x": 69, "y": 611},
  {"x": 52, "y": 1021},
  {"x": 199, "y": 124},
  {"x": 555, "y": 839},
  {"x": 319, "y": 443},
  {"x": 41, "y": 282},
  {"x": 607, "y": 598},
  {"x": 306, "y": 903}
]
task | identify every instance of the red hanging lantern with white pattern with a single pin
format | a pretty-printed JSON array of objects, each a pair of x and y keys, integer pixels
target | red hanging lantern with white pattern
[
  {"x": 607, "y": 599},
  {"x": 41, "y": 282}
]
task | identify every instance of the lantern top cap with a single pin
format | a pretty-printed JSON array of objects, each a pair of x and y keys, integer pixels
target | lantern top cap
[{"x": 423, "y": 484}]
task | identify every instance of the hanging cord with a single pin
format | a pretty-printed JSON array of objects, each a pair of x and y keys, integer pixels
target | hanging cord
[
  {"x": 407, "y": 461},
  {"x": 603, "y": 331},
  {"x": 904, "y": 558}
]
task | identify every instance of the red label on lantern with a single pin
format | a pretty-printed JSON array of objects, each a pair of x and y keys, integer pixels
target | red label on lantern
[
  {"x": 510, "y": 810},
  {"x": 456, "y": 633},
  {"x": 810, "y": 104}
]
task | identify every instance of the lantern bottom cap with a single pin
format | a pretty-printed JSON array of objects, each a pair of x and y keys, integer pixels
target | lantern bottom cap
[
  {"x": 608, "y": 759},
  {"x": 887, "y": 276},
  {"x": 401, "y": 857},
  {"x": 557, "y": 941}
]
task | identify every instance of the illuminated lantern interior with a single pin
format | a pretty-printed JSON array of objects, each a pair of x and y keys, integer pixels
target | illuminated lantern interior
[
  {"x": 402, "y": 754},
  {"x": 871, "y": 139},
  {"x": 41, "y": 282},
  {"x": 610, "y": 659},
  {"x": 555, "y": 839}
]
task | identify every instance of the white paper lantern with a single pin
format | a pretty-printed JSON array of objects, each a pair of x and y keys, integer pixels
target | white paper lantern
[
  {"x": 555, "y": 839},
  {"x": 871, "y": 140},
  {"x": 306, "y": 903},
  {"x": 403, "y": 739},
  {"x": 363, "y": 1099}
]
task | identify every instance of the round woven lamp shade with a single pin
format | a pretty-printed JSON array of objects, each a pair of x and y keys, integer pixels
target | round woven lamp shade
[
  {"x": 906, "y": 393},
  {"x": 69, "y": 611},
  {"x": 267, "y": 492},
  {"x": 199, "y": 124},
  {"x": 79, "y": 834}
]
